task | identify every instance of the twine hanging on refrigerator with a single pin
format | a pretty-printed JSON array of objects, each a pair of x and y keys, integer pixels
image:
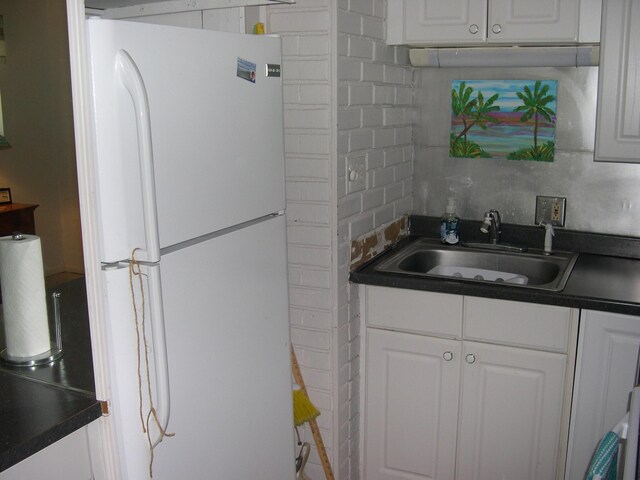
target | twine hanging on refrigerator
[{"x": 141, "y": 337}]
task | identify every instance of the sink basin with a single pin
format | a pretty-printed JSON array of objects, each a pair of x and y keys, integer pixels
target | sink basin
[{"x": 533, "y": 269}]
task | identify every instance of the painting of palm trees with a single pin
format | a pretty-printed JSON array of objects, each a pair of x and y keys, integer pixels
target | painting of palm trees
[{"x": 512, "y": 119}]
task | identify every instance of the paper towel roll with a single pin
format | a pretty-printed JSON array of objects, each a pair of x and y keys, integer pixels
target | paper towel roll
[{"x": 24, "y": 304}]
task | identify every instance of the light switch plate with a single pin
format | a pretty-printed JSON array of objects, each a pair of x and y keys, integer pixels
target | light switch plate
[
  {"x": 551, "y": 209},
  {"x": 356, "y": 174}
]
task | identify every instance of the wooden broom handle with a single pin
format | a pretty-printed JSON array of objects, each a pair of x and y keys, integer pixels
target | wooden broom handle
[{"x": 317, "y": 437}]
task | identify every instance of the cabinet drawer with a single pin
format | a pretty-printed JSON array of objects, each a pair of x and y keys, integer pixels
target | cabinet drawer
[
  {"x": 515, "y": 323},
  {"x": 429, "y": 313}
]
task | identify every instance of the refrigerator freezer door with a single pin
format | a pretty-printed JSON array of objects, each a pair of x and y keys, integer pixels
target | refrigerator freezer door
[
  {"x": 216, "y": 129},
  {"x": 226, "y": 320}
]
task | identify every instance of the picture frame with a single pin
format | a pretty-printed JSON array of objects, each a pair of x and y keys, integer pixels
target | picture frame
[
  {"x": 512, "y": 119},
  {"x": 5, "y": 196}
]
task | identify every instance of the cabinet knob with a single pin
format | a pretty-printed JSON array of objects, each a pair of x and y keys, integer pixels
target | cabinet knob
[
  {"x": 470, "y": 358},
  {"x": 473, "y": 29},
  {"x": 448, "y": 356},
  {"x": 496, "y": 28}
]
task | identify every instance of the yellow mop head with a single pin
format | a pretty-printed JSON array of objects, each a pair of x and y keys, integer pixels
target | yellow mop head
[{"x": 303, "y": 409}]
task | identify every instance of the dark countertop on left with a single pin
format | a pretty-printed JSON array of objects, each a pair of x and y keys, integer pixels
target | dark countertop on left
[
  {"x": 41, "y": 405},
  {"x": 34, "y": 415}
]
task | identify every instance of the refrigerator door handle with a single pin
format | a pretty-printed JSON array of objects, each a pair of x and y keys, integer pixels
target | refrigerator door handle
[
  {"x": 131, "y": 78},
  {"x": 161, "y": 362}
]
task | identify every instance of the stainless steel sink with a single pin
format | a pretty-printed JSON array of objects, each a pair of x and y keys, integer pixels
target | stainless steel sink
[{"x": 533, "y": 269}]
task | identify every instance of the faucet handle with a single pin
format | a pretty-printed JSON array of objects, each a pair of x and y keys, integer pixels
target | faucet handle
[
  {"x": 496, "y": 217},
  {"x": 491, "y": 225},
  {"x": 486, "y": 223},
  {"x": 492, "y": 217}
]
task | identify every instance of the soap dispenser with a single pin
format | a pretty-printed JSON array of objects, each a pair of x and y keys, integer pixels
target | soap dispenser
[{"x": 450, "y": 224}]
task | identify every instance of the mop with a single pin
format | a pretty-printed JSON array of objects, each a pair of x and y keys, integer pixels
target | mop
[{"x": 304, "y": 411}]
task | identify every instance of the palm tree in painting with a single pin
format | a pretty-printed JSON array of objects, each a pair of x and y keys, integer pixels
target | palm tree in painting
[
  {"x": 534, "y": 104},
  {"x": 479, "y": 114},
  {"x": 461, "y": 105},
  {"x": 472, "y": 112}
]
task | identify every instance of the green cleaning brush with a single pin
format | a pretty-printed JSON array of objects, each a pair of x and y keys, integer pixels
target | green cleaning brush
[{"x": 303, "y": 409}]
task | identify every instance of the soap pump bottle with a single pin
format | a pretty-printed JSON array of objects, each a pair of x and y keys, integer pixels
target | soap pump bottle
[{"x": 450, "y": 224}]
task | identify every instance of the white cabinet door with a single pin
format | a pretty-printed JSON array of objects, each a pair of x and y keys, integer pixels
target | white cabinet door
[
  {"x": 412, "y": 387},
  {"x": 510, "y": 413},
  {"x": 472, "y": 22},
  {"x": 606, "y": 373},
  {"x": 524, "y": 21},
  {"x": 618, "y": 115},
  {"x": 445, "y": 21},
  {"x": 67, "y": 458}
]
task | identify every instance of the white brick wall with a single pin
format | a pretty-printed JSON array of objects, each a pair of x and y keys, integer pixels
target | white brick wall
[
  {"x": 306, "y": 34},
  {"x": 368, "y": 120},
  {"x": 374, "y": 114}
]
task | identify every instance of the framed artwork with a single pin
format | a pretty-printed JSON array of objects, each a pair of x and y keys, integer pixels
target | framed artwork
[
  {"x": 5, "y": 196},
  {"x": 513, "y": 119}
]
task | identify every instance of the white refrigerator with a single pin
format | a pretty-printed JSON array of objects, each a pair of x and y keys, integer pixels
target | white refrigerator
[{"x": 188, "y": 129}]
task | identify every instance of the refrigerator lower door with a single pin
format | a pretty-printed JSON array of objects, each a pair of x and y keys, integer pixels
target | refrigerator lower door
[
  {"x": 227, "y": 334},
  {"x": 123, "y": 346}
]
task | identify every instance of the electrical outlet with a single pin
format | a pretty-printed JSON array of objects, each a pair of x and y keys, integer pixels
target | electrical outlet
[
  {"x": 551, "y": 209},
  {"x": 556, "y": 212}
]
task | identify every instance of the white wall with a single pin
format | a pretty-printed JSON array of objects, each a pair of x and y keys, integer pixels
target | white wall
[
  {"x": 347, "y": 97},
  {"x": 308, "y": 70},
  {"x": 36, "y": 99},
  {"x": 375, "y": 112}
]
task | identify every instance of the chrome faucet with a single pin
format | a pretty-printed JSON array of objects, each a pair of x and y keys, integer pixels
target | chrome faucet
[{"x": 492, "y": 226}]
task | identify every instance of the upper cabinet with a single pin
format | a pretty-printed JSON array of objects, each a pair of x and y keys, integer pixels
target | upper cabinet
[
  {"x": 478, "y": 22},
  {"x": 452, "y": 22},
  {"x": 618, "y": 115}
]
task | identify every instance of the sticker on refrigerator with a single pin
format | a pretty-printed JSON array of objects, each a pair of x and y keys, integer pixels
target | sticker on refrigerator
[
  {"x": 246, "y": 70},
  {"x": 273, "y": 70}
]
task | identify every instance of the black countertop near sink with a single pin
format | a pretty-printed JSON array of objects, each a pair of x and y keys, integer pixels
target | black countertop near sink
[
  {"x": 605, "y": 277},
  {"x": 41, "y": 405}
]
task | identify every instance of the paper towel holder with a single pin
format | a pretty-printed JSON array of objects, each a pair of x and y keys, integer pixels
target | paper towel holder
[{"x": 44, "y": 358}]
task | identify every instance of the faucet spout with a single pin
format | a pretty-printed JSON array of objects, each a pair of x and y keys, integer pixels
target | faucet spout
[{"x": 492, "y": 225}]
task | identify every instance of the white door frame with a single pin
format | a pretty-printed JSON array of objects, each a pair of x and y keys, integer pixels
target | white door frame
[{"x": 102, "y": 444}]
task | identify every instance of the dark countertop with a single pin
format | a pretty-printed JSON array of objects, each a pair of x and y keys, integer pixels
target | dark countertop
[
  {"x": 34, "y": 415},
  {"x": 41, "y": 405},
  {"x": 598, "y": 282}
]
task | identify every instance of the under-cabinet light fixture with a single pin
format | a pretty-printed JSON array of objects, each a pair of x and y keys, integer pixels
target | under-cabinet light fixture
[{"x": 566, "y": 56}]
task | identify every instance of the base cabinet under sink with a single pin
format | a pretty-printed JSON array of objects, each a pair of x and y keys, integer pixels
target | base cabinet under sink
[
  {"x": 510, "y": 412},
  {"x": 439, "y": 404},
  {"x": 411, "y": 406}
]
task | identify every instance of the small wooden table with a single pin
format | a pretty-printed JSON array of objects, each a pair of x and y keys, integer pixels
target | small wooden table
[{"x": 17, "y": 217}]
